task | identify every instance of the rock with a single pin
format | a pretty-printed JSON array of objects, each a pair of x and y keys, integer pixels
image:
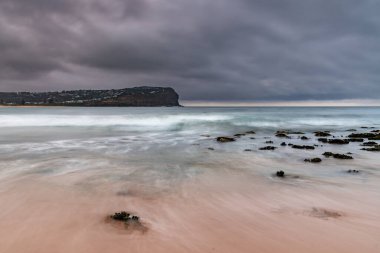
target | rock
[
  {"x": 252, "y": 138},
  {"x": 375, "y": 131},
  {"x": 283, "y": 144},
  {"x": 361, "y": 135},
  {"x": 338, "y": 141},
  {"x": 356, "y": 140},
  {"x": 267, "y": 148},
  {"x": 122, "y": 216},
  {"x": 290, "y": 144},
  {"x": 247, "y": 150},
  {"x": 250, "y": 132},
  {"x": 351, "y": 130},
  {"x": 373, "y": 148},
  {"x": 282, "y": 135},
  {"x": 374, "y": 138},
  {"x": 337, "y": 156},
  {"x": 322, "y": 134},
  {"x": 314, "y": 160},
  {"x": 269, "y": 142},
  {"x": 239, "y": 135},
  {"x": 303, "y": 147},
  {"x": 369, "y": 143},
  {"x": 353, "y": 171},
  {"x": 328, "y": 154},
  {"x": 304, "y": 138},
  {"x": 210, "y": 148},
  {"x": 280, "y": 173},
  {"x": 225, "y": 139},
  {"x": 324, "y": 140}
]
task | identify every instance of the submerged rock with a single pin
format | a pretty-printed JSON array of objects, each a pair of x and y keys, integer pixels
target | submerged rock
[
  {"x": 283, "y": 144},
  {"x": 373, "y": 148},
  {"x": 225, "y": 139},
  {"x": 303, "y": 147},
  {"x": 369, "y": 143},
  {"x": 269, "y": 142},
  {"x": 314, "y": 160},
  {"x": 282, "y": 135},
  {"x": 267, "y": 148},
  {"x": 338, "y": 141},
  {"x": 247, "y": 150},
  {"x": 337, "y": 156},
  {"x": 322, "y": 133},
  {"x": 361, "y": 135},
  {"x": 356, "y": 140}
]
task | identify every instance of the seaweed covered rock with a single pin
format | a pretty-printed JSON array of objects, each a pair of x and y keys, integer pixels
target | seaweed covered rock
[
  {"x": 338, "y": 141},
  {"x": 280, "y": 173},
  {"x": 124, "y": 216},
  {"x": 314, "y": 160},
  {"x": 361, "y": 135},
  {"x": 337, "y": 156},
  {"x": 225, "y": 139},
  {"x": 375, "y": 148},
  {"x": 267, "y": 148},
  {"x": 303, "y": 147},
  {"x": 322, "y": 133}
]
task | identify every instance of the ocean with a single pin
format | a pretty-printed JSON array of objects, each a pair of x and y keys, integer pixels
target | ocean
[{"x": 63, "y": 170}]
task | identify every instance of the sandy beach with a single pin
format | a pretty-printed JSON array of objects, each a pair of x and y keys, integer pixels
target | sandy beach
[{"x": 192, "y": 194}]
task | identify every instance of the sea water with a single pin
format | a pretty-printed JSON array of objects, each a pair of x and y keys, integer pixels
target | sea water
[{"x": 166, "y": 166}]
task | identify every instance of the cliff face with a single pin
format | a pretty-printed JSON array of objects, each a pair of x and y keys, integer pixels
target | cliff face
[{"x": 138, "y": 96}]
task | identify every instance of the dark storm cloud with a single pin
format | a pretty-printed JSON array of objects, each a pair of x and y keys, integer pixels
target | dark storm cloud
[{"x": 207, "y": 50}]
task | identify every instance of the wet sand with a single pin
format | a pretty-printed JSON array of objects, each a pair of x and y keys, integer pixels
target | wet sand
[{"x": 219, "y": 211}]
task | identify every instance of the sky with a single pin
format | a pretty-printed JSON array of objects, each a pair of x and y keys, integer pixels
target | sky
[{"x": 207, "y": 50}]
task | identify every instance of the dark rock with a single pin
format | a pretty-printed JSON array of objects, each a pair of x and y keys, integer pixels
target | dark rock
[
  {"x": 239, "y": 135},
  {"x": 225, "y": 139},
  {"x": 369, "y": 143},
  {"x": 338, "y": 141},
  {"x": 375, "y": 131},
  {"x": 351, "y": 130},
  {"x": 290, "y": 144},
  {"x": 252, "y": 138},
  {"x": 283, "y": 144},
  {"x": 250, "y": 132},
  {"x": 122, "y": 216},
  {"x": 282, "y": 135},
  {"x": 337, "y": 156},
  {"x": 269, "y": 142},
  {"x": 303, "y": 147},
  {"x": 374, "y": 138},
  {"x": 361, "y": 135},
  {"x": 267, "y": 148},
  {"x": 356, "y": 140},
  {"x": 210, "y": 148},
  {"x": 324, "y": 140},
  {"x": 375, "y": 148},
  {"x": 247, "y": 150},
  {"x": 322, "y": 134},
  {"x": 353, "y": 171},
  {"x": 304, "y": 138},
  {"x": 280, "y": 173},
  {"x": 314, "y": 160}
]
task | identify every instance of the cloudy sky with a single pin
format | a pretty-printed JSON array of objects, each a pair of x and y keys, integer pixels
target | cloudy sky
[{"x": 210, "y": 50}]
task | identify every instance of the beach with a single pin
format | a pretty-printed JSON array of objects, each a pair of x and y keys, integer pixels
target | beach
[{"x": 64, "y": 171}]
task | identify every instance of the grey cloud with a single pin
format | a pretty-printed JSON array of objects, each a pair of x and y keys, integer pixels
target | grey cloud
[{"x": 208, "y": 50}]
